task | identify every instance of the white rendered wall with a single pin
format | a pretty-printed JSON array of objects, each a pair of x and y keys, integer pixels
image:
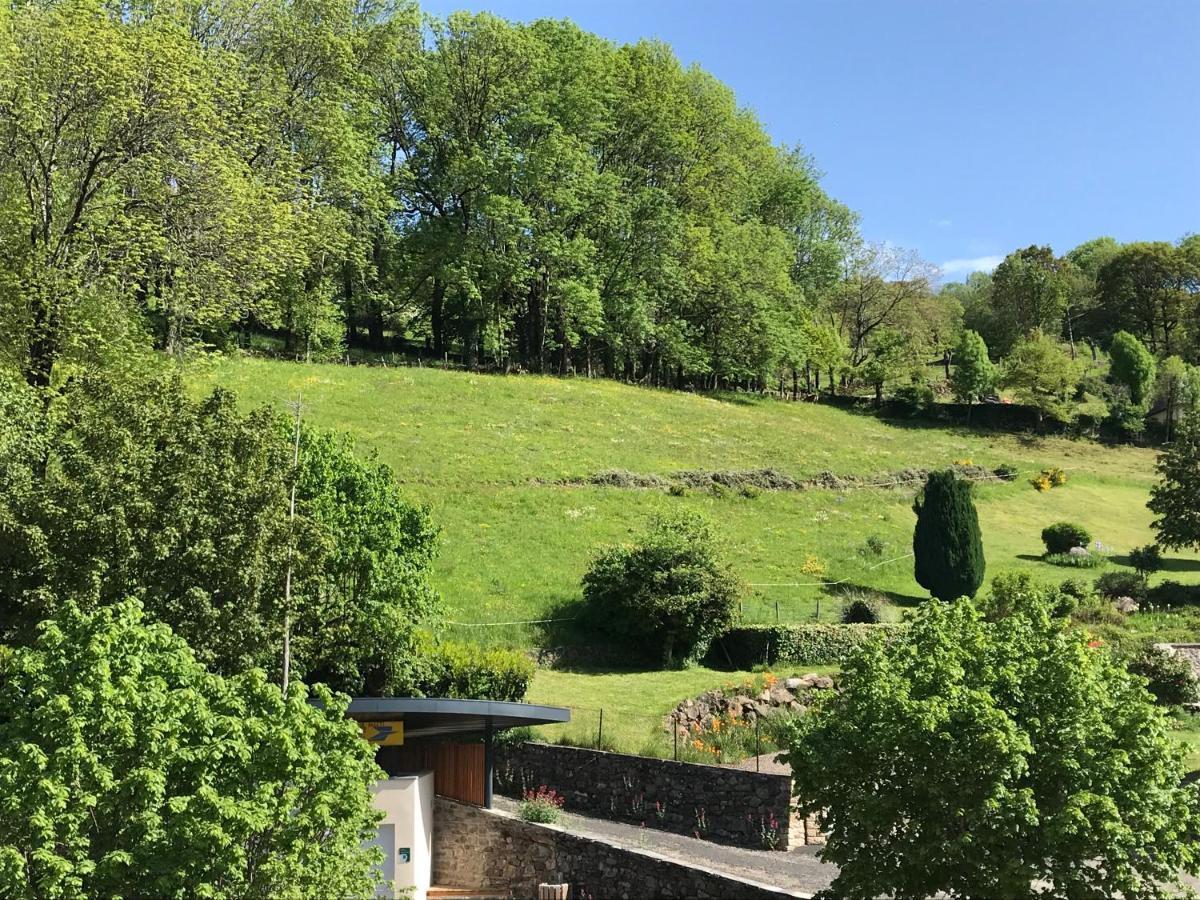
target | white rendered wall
[{"x": 407, "y": 804}]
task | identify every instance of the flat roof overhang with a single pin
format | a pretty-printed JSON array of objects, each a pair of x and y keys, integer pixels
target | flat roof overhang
[{"x": 433, "y": 717}]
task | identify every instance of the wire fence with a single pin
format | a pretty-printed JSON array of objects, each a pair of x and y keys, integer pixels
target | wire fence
[{"x": 664, "y": 736}]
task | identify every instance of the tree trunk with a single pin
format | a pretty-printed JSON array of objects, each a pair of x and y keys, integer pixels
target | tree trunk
[{"x": 437, "y": 317}]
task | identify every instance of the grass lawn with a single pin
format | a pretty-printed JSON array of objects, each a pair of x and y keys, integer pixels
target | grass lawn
[
  {"x": 488, "y": 453},
  {"x": 485, "y": 452},
  {"x": 634, "y": 703}
]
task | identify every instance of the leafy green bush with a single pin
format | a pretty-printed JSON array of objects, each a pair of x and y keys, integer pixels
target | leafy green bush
[
  {"x": 542, "y": 805},
  {"x": 1015, "y": 592},
  {"x": 667, "y": 596},
  {"x": 861, "y": 608},
  {"x": 1062, "y": 536},
  {"x": 471, "y": 672},
  {"x": 1146, "y": 560},
  {"x": 809, "y": 644},
  {"x": 127, "y": 768},
  {"x": 1015, "y": 725},
  {"x": 1113, "y": 585},
  {"x": 915, "y": 398},
  {"x": 1170, "y": 678},
  {"x": 1077, "y": 560},
  {"x": 1172, "y": 593},
  {"x": 1077, "y": 588}
]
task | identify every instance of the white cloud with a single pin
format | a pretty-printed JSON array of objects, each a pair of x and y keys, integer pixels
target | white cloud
[
  {"x": 967, "y": 266},
  {"x": 942, "y": 223}
]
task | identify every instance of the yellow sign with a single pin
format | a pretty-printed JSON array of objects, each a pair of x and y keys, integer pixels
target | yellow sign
[{"x": 383, "y": 734}]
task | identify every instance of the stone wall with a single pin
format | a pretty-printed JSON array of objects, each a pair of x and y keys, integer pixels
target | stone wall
[
  {"x": 489, "y": 850},
  {"x": 729, "y": 806}
]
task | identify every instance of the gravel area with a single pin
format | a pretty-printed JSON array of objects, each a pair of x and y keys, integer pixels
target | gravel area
[{"x": 796, "y": 870}]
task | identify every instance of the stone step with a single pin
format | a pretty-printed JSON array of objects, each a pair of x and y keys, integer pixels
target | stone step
[{"x": 447, "y": 892}]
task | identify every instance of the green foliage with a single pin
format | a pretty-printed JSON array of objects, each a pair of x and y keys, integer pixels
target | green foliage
[
  {"x": 1078, "y": 558},
  {"x": 809, "y": 644},
  {"x": 1168, "y": 677},
  {"x": 1169, "y": 593},
  {"x": 1146, "y": 560},
  {"x": 668, "y": 595},
  {"x": 1132, "y": 366},
  {"x": 1015, "y": 593},
  {"x": 126, "y": 766},
  {"x": 861, "y": 610},
  {"x": 1062, "y": 776},
  {"x": 1175, "y": 500},
  {"x": 1062, "y": 536},
  {"x": 470, "y": 672},
  {"x": 1030, "y": 292},
  {"x": 1148, "y": 289},
  {"x": 1113, "y": 585},
  {"x": 127, "y": 487},
  {"x": 947, "y": 544},
  {"x": 542, "y": 805},
  {"x": 974, "y": 375},
  {"x": 1042, "y": 374}
]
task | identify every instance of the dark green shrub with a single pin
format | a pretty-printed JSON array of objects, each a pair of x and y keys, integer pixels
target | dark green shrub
[
  {"x": 1172, "y": 593},
  {"x": 666, "y": 597},
  {"x": 916, "y": 398},
  {"x": 1007, "y": 472},
  {"x": 809, "y": 644},
  {"x": 873, "y": 546},
  {"x": 1062, "y": 536},
  {"x": 677, "y": 490},
  {"x": 861, "y": 608},
  {"x": 1170, "y": 678},
  {"x": 750, "y": 491},
  {"x": 947, "y": 544},
  {"x": 1146, "y": 560},
  {"x": 1112, "y": 585},
  {"x": 470, "y": 672}
]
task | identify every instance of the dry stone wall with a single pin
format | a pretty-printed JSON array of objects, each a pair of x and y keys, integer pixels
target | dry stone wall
[
  {"x": 488, "y": 850},
  {"x": 728, "y": 806}
]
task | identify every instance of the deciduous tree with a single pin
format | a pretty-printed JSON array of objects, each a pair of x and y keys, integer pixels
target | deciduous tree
[
  {"x": 1006, "y": 758},
  {"x": 125, "y": 767}
]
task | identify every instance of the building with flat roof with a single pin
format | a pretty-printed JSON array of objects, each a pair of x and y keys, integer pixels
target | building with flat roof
[{"x": 433, "y": 746}]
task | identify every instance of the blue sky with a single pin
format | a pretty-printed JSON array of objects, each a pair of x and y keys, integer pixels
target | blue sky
[{"x": 961, "y": 129}]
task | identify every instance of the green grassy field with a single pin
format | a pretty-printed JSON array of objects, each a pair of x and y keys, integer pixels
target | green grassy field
[{"x": 488, "y": 453}]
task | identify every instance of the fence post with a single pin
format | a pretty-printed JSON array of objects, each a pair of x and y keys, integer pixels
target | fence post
[
  {"x": 818, "y": 618},
  {"x": 600, "y": 730},
  {"x": 757, "y": 743},
  {"x": 776, "y": 610},
  {"x": 675, "y": 730}
]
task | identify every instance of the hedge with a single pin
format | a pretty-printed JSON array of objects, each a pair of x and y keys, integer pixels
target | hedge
[
  {"x": 815, "y": 644},
  {"x": 470, "y": 672}
]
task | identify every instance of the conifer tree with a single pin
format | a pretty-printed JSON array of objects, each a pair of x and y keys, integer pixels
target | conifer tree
[{"x": 947, "y": 544}]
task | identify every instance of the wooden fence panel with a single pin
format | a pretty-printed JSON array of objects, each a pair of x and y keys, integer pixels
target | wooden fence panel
[{"x": 457, "y": 768}]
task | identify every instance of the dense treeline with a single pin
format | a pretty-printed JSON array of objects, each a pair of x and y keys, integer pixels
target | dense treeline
[
  {"x": 512, "y": 196},
  {"x": 518, "y": 195}
]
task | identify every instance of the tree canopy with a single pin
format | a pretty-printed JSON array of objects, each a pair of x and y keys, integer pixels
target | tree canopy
[
  {"x": 128, "y": 487},
  {"x": 126, "y": 766},
  {"x": 1006, "y": 758}
]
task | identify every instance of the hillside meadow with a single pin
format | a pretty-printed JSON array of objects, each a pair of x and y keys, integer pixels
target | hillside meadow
[{"x": 490, "y": 455}]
